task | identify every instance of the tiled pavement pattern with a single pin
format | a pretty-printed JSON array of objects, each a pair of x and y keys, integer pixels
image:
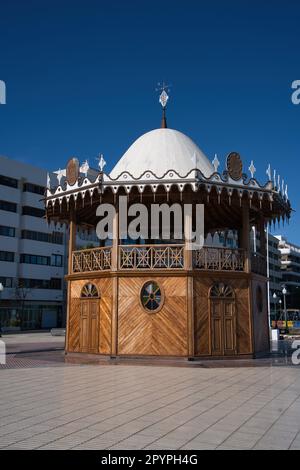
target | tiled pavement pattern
[
  {"x": 38, "y": 359},
  {"x": 136, "y": 407}
]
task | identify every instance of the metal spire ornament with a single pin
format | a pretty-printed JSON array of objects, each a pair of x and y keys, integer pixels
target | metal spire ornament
[
  {"x": 274, "y": 177},
  {"x": 48, "y": 181},
  {"x": 216, "y": 163},
  {"x": 269, "y": 173},
  {"x": 163, "y": 99},
  {"x": 252, "y": 169},
  {"x": 101, "y": 162},
  {"x": 278, "y": 183},
  {"x": 282, "y": 186}
]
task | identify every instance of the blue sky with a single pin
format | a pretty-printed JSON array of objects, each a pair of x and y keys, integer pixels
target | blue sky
[{"x": 81, "y": 78}]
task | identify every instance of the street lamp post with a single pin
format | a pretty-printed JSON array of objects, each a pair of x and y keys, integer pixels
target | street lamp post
[
  {"x": 1, "y": 290},
  {"x": 275, "y": 299},
  {"x": 284, "y": 292}
]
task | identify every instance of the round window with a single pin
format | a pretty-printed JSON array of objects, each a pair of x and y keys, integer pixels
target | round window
[{"x": 151, "y": 296}]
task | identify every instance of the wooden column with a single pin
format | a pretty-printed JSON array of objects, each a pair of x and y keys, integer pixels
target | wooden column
[
  {"x": 72, "y": 239},
  {"x": 188, "y": 266},
  {"x": 71, "y": 248},
  {"x": 246, "y": 238},
  {"x": 115, "y": 282}
]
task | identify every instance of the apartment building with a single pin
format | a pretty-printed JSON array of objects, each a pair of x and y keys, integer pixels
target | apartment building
[
  {"x": 290, "y": 268},
  {"x": 32, "y": 254}
]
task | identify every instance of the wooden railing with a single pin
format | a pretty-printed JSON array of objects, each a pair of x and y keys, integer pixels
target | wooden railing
[
  {"x": 219, "y": 259},
  {"x": 151, "y": 257},
  {"x": 259, "y": 264},
  {"x": 136, "y": 257},
  {"x": 94, "y": 259}
]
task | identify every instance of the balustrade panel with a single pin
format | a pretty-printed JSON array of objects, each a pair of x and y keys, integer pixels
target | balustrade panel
[{"x": 95, "y": 259}]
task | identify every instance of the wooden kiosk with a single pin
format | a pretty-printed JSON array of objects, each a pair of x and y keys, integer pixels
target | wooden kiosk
[{"x": 160, "y": 299}]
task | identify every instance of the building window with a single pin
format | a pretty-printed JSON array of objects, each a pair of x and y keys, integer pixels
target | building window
[
  {"x": 89, "y": 291},
  {"x": 6, "y": 281},
  {"x": 151, "y": 296},
  {"x": 8, "y": 206},
  {"x": 35, "y": 259},
  {"x": 7, "y": 181},
  {"x": 53, "y": 283},
  {"x": 7, "y": 256},
  {"x": 54, "y": 237},
  {"x": 33, "y": 211},
  {"x": 57, "y": 260},
  {"x": 57, "y": 238},
  {"x": 7, "y": 231},
  {"x": 33, "y": 188}
]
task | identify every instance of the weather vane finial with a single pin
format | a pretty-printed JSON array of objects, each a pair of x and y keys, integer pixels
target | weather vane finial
[{"x": 163, "y": 99}]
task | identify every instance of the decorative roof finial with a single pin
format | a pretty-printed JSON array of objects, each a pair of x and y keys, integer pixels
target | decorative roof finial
[
  {"x": 163, "y": 99},
  {"x": 269, "y": 172},
  {"x": 216, "y": 163},
  {"x": 252, "y": 169},
  {"x": 101, "y": 162}
]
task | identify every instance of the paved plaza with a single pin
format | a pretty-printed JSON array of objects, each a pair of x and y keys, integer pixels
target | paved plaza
[{"x": 86, "y": 406}]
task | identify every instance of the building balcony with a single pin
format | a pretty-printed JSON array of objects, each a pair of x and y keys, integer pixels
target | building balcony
[{"x": 166, "y": 257}]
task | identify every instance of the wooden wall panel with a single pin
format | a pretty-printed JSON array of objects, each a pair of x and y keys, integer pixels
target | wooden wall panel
[
  {"x": 104, "y": 286},
  {"x": 202, "y": 286},
  {"x": 202, "y": 318},
  {"x": 74, "y": 326},
  {"x": 243, "y": 316},
  {"x": 162, "y": 333}
]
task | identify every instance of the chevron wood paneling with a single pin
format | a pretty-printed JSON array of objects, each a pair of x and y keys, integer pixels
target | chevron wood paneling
[
  {"x": 104, "y": 286},
  {"x": 165, "y": 333},
  {"x": 74, "y": 326},
  {"x": 161, "y": 333},
  {"x": 243, "y": 316}
]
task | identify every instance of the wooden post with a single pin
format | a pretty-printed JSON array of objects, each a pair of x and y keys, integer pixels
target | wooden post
[
  {"x": 188, "y": 266},
  {"x": 72, "y": 239},
  {"x": 246, "y": 238},
  {"x": 71, "y": 248},
  {"x": 115, "y": 284}
]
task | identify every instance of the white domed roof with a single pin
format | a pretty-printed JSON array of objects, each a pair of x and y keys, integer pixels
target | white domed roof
[{"x": 161, "y": 150}]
